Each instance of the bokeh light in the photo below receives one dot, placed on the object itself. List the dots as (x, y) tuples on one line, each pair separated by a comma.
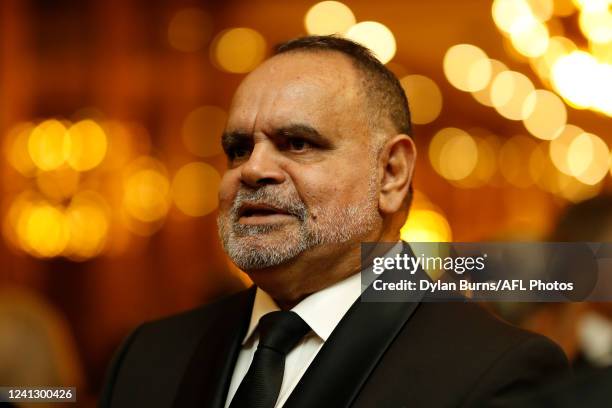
[(13, 226), (59, 184), (582, 81), (601, 100), (146, 190), (47, 230), (508, 14), (195, 189), (328, 17), (238, 50), (87, 145), (590, 5), (48, 145), (88, 220), (125, 141), (189, 29), (588, 158), (542, 171), (424, 98), (596, 23), (42, 230), (81, 176), (484, 95), (509, 91), (15, 148), (426, 225), (568, 77), (453, 153), (61, 211), (375, 36), (557, 48), (603, 52), (574, 191), (544, 114), (202, 130), (512, 160), (467, 67), (531, 39), (542, 9), (486, 165), (559, 146), (548, 178)]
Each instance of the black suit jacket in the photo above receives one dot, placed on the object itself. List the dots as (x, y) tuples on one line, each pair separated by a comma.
[(401, 354)]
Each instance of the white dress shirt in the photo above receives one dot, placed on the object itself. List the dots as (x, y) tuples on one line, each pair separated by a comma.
[(322, 311)]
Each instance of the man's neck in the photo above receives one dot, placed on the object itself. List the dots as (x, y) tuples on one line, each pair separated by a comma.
[(290, 283)]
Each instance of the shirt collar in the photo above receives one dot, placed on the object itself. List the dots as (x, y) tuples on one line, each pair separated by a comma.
[(263, 304), (322, 310)]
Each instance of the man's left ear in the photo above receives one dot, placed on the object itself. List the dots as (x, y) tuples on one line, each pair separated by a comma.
[(397, 164)]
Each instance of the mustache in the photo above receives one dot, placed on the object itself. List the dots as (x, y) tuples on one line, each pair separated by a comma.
[(286, 201)]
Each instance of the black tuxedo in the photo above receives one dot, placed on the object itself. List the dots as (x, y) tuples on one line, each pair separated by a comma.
[(396, 354), (380, 355)]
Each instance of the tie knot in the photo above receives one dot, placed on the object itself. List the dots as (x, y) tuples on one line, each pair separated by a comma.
[(281, 330)]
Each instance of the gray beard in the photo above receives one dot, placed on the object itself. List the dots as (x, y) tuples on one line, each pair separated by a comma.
[(253, 247)]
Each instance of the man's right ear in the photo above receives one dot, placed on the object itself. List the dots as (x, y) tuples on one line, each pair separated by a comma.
[(397, 161)]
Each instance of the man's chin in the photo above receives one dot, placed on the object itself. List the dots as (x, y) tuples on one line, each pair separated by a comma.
[(276, 240), (264, 230), (265, 250)]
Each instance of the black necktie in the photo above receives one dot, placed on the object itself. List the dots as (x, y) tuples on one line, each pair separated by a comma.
[(279, 332)]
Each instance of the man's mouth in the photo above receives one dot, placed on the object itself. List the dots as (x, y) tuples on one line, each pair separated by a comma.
[(257, 213)]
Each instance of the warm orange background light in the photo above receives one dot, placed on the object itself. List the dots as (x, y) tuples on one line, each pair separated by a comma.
[(112, 113)]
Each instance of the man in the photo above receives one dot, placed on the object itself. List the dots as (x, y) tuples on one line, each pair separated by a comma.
[(320, 159)]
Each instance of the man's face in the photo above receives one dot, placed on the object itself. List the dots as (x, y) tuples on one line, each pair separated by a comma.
[(301, 162)]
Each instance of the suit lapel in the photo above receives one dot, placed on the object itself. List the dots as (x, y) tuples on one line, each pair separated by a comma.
[(206, 380), (353, 350)]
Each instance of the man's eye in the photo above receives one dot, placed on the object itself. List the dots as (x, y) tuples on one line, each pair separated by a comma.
[(298, 144), (237, 153)]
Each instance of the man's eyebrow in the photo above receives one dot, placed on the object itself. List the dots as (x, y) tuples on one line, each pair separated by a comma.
[(233, 137), (302, 130)]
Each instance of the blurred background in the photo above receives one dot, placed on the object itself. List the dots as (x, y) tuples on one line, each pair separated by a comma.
[(110, 118)]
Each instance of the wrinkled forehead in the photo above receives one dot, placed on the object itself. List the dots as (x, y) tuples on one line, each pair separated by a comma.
[(306, 87)]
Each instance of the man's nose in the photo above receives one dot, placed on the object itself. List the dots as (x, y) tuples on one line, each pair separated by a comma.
[(262, 168)]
